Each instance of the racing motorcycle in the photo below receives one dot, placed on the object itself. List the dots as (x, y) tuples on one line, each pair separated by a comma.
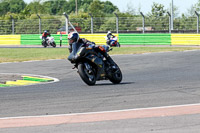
[(114, 42), (49, 42), (92, 66)]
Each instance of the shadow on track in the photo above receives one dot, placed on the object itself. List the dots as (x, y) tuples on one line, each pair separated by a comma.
[(123, 83)]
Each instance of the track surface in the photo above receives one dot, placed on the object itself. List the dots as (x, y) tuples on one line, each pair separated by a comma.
[(150, 80)]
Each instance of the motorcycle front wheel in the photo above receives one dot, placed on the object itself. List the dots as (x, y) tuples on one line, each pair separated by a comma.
[(53, 44), (116, 77), (87, 74), (118, 45)]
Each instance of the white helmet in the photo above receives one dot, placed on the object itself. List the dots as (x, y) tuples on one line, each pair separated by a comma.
[(109, 32)]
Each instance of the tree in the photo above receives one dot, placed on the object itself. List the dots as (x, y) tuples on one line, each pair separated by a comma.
[(13, 6), (34, 8), (191, 11), (157, 17), (175, 11), (109, 8), (55, 7), (195, 7), (157, 10), (16, 6), (96, 8), (4, 7)]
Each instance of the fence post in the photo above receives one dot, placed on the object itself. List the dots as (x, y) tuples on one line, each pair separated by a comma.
[(143, 22), (92, 29), (170, 30), (172, 15), (13, 24), (117, 23), (39, 24), (66, 23), (197, 22)]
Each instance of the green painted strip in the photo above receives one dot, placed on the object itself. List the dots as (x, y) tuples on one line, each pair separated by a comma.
[(34, 39), (145, 39), (36, 79), (5, 85)]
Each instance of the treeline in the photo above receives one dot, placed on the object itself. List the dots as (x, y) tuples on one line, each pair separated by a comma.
[(20, 10), (26, 19), (51, 13)]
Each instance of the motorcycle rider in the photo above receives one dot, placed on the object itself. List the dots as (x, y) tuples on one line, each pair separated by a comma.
[(109, 35), (75, 42), (45, 35)]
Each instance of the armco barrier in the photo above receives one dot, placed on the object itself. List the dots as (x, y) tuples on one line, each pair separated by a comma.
[(145, 39), (185, 39), (34, 39), (9, 39)]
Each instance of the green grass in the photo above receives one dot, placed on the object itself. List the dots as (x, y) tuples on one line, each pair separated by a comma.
[(26, 54)]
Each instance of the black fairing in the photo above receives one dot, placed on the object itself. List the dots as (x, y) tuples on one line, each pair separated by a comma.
[(84, 54)]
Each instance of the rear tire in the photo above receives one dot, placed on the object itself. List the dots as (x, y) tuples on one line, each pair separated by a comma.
[(44, 44), (88, 76)]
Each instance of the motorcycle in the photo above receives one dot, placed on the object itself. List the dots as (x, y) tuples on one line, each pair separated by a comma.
[(92, 66), (48, 42), (113, 42)]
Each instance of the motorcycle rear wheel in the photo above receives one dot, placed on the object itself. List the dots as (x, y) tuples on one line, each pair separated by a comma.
[(87, 75), (44, 44)]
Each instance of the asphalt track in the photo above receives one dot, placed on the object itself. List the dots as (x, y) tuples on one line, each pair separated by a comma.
[(151, 82)]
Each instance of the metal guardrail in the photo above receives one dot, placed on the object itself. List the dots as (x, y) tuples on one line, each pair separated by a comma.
[(138, 24)]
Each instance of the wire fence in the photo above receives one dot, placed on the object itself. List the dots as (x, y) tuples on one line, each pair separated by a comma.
[(100, 25)]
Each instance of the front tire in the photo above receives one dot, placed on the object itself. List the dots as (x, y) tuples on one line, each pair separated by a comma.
[(53, 44), (118, 45), (116, 76), (87, 75)]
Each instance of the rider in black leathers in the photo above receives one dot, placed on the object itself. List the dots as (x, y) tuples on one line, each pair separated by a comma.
[(75, 42)]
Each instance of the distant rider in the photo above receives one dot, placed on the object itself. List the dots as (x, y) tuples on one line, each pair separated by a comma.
[(75, 42), (45, 35), (109, 36)]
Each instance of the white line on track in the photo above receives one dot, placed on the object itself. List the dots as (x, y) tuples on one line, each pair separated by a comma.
[(113, 111)]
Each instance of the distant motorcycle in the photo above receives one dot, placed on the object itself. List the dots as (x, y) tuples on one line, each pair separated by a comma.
[(92, 66), (48, 42), (114, 42)]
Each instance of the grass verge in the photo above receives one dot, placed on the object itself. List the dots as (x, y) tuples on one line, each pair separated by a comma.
[(27, 54)]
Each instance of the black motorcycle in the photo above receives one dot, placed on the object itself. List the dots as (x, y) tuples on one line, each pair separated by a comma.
[(92, 66)]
